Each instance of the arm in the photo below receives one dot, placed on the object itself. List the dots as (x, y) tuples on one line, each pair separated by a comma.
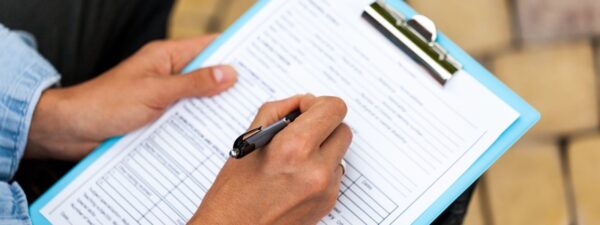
[(24, 75)]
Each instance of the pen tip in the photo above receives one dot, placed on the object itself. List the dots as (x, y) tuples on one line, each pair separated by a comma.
[(234, 153)]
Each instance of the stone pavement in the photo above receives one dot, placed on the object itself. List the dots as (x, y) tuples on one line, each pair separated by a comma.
[(547, 51)]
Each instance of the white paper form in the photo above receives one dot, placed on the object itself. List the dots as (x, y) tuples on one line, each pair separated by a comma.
[(412, 137)]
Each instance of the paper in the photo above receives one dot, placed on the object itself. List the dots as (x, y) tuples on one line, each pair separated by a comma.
[(412, 137)]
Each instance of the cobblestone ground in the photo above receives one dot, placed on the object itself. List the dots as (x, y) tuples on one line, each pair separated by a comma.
[(547, 51)]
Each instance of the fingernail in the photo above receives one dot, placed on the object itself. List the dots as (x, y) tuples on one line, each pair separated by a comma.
[(223, 74)]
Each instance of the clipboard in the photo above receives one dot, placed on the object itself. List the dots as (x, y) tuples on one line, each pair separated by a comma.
[(452, 55)]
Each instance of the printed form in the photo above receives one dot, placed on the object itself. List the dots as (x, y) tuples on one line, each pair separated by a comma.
[(412, 137)]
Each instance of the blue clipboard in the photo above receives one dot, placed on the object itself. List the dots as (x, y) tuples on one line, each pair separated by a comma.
[(528, 117)]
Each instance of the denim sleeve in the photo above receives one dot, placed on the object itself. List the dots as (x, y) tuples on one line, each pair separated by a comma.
[(24, 74)]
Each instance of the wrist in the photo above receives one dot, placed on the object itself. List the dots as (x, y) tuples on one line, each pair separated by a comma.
[(209, 215), (52, 134)]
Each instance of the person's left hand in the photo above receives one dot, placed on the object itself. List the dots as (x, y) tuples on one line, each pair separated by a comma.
[(69, 122)]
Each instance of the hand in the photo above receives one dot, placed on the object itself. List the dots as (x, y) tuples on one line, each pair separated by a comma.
[(295, 179), (69, 122)]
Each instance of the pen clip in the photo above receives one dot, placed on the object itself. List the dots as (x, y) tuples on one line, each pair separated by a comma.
[(239, 142)]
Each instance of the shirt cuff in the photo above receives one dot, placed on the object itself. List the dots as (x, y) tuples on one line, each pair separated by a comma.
[(13, 205), (24, 75)]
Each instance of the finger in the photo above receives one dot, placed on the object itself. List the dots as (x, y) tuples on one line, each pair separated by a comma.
[(306, 103), (271, 112), (336, 145), (199, 83), (182, 51), (336, 180), (338, 174), (317, 121)]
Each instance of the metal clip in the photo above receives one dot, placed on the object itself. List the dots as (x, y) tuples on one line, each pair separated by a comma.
[(416, 36)]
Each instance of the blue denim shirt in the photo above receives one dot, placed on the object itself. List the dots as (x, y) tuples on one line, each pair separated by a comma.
[(24, 74)]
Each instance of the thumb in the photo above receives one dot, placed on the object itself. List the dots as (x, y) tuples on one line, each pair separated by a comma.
[(204, 82)]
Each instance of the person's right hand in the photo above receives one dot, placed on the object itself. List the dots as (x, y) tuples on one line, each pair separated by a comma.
[(295, 179)]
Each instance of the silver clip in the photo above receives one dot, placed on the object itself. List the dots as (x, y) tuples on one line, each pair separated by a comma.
[(416, 36)]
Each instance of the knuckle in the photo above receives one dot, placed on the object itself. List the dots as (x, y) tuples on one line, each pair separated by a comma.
[(346, 131), (293, 146), (302, 137), (265, 107), (155, 45), (296, 144), (318, 181), (337, 104), (196, 84), (199, 83)]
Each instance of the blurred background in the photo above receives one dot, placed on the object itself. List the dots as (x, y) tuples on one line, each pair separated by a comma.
[(545, 50)]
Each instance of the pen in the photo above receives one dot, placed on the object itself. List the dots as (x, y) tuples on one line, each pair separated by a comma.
[(259, 137)]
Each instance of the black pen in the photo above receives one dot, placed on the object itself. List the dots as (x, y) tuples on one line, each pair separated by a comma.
[(259, 137)]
